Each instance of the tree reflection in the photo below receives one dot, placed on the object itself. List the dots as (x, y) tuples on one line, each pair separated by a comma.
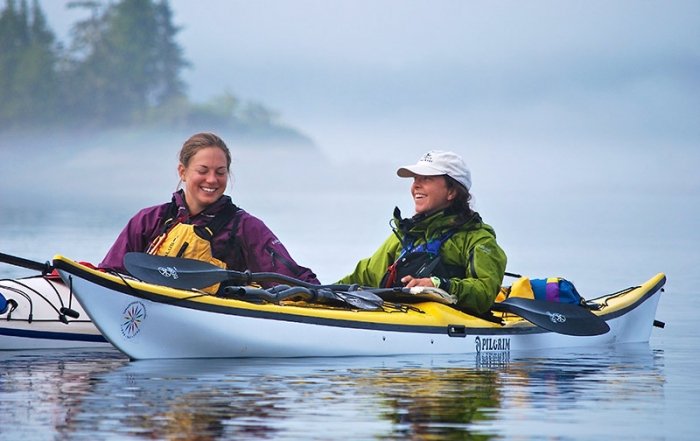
[(435, 403)]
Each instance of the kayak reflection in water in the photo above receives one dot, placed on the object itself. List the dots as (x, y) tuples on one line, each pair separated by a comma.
[(200, 222), (445, 244)]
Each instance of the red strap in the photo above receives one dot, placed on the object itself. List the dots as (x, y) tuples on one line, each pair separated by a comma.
[(53, 275), (392, 276)]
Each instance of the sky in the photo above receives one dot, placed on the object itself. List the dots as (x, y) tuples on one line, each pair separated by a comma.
[(383, 76)]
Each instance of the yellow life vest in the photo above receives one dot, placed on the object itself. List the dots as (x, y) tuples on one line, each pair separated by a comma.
[(191, 241), (188, 241)]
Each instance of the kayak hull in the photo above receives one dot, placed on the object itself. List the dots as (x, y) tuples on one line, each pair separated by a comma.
[(147, 321), (33, 317)]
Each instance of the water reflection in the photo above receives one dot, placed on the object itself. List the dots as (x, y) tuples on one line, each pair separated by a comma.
[(266, 399), (560, 378), (438, 403), (99, 394), (582, 395), (41, 391)]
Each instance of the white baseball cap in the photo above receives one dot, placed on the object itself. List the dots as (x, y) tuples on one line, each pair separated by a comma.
[(438, 162)]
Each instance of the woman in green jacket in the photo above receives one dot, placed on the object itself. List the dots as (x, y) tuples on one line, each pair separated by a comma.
[(445, 244)]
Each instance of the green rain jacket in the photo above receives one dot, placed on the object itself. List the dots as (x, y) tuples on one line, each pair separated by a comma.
[(472, 247)]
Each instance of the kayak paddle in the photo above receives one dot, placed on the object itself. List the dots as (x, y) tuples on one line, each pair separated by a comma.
[(45, 267), (563, 318), (181, 273)]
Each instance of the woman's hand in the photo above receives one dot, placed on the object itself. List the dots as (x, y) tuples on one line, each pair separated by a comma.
[(410, 281)]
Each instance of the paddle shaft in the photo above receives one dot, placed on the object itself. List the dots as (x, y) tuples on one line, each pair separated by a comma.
[(45, 267)]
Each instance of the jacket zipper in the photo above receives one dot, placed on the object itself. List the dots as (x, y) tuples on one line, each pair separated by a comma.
[(286, 262)]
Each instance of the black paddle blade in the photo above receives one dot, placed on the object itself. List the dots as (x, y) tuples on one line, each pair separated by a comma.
[(357, 299), (174, 272), (361, 299), (562, 318)]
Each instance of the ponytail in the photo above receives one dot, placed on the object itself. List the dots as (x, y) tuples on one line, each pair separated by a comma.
[(460, 204)]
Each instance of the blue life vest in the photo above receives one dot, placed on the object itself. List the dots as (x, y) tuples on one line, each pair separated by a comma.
[(422, 260)]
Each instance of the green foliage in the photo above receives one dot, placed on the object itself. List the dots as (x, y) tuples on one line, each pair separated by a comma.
[(124, 61), (27, 62), (122, 68)]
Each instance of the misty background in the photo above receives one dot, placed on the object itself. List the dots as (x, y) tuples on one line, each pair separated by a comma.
[(579, 121)]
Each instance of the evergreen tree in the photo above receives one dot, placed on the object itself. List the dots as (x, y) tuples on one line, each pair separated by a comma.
[(171, 60), (130, 62), (13, 40), (122, 68), (38, 81), (27, 63)]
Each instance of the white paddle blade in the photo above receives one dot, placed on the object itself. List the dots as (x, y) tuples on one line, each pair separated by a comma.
[(434, 294)]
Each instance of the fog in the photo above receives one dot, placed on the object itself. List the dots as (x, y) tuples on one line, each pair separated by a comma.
[(368, 78), (579, 120)]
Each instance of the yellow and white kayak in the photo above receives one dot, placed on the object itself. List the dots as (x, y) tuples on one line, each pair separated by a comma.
[(147, 321)]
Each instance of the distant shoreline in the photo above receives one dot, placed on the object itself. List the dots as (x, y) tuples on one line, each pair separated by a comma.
[(44, 139)]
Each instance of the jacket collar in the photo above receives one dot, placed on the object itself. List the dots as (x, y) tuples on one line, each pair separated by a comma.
[(184, 214), (440, 220)]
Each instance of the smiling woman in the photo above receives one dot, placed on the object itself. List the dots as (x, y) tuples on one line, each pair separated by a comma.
[(204, 166), (200, 222), (445, 244)]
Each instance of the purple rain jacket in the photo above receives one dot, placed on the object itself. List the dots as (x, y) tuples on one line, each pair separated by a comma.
[(260, 249)]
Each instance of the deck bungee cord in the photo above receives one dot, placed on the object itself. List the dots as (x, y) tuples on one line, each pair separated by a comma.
[(23, 290)]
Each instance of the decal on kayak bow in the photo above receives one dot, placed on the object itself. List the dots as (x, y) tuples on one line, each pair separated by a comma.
[(133, 317)]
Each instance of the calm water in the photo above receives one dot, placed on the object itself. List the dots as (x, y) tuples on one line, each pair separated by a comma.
[(624, 392), (640, 392)]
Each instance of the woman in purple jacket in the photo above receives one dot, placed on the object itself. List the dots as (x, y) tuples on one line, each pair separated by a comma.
[(200, 222)]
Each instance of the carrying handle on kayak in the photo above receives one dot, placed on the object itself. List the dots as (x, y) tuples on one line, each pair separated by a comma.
[(45, 267)]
